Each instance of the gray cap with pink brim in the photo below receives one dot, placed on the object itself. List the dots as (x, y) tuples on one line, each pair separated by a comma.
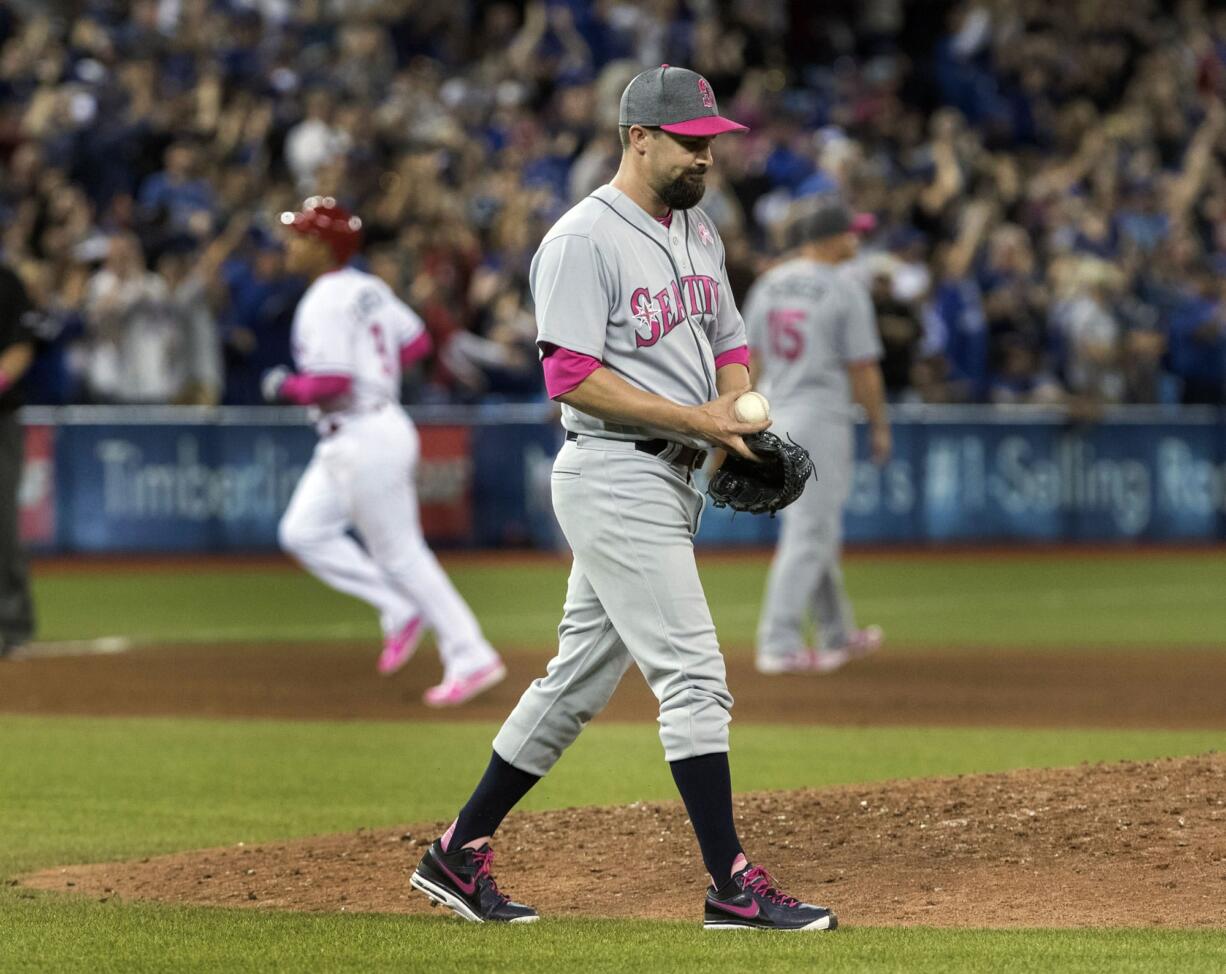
[(677, 100)]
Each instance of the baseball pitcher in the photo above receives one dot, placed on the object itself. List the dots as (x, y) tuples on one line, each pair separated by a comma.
[(643, 345), (351, 338), (815, 348)]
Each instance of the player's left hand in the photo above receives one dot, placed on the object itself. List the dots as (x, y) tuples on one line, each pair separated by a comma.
[(768, 484), (272, 381)]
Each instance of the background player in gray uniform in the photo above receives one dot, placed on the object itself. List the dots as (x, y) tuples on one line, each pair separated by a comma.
[(642, 343), (816, 348)]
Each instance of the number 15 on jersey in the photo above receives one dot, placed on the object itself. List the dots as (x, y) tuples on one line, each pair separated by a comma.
[(787, 341)]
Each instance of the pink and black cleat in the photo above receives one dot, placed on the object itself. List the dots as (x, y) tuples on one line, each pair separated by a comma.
[(462, 882), (460, 690), (400, 646), (751, 901)]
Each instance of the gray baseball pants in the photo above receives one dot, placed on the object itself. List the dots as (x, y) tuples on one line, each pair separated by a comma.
[(806, 580), (634, 596)]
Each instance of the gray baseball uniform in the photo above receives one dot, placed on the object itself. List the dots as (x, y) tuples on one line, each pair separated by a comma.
[(654, 305), (807, 322)]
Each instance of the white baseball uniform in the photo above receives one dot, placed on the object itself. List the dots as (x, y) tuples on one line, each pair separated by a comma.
[(807, 322), (362, 473)]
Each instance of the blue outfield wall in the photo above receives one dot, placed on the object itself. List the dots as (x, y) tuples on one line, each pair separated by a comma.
[(115, 479)]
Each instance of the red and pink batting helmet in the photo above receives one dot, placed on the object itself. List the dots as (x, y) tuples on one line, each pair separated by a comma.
[(325, 219)]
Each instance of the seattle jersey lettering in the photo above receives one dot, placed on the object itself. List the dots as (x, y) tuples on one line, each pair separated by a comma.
[(660, 313)]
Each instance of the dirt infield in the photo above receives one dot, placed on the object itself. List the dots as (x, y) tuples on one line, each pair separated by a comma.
[(1120, 845), (1115, 845), (1160, 689)]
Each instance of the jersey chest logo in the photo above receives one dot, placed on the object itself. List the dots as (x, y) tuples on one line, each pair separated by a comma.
[(659, 313)]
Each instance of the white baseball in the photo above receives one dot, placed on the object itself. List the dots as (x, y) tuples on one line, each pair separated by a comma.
[(752, 407)]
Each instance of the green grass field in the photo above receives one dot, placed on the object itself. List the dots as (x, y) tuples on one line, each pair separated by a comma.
[(77, 789), (1038, 601)]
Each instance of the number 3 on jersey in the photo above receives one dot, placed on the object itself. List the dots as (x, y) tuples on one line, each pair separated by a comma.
[(381, 348), (787, 341)]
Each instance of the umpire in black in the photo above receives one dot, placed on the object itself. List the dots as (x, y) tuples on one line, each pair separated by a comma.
[(16, 354)]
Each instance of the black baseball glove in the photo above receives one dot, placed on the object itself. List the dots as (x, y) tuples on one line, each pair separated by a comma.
[(766, 486)]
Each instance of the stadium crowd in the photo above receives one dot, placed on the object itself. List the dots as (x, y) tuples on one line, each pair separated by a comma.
[(1048, 181)]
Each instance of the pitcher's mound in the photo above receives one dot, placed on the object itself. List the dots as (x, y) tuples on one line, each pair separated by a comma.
[(1120, 845)]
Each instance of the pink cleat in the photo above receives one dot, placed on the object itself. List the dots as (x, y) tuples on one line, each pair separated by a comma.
[(865, 641), (859, 644), (453, 693), (797, 661), (829, 660), (400, 646)]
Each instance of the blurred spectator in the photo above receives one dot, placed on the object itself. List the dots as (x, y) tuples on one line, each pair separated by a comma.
[(956, 342), (55, 376), (1088, 328), (150, 336), (1198, 343), (901, 330), (315, 141), (261, 297), (175, 198), (187, 275), (132, 346), (999, 144)]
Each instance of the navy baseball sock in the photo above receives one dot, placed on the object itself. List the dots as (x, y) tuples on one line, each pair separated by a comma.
[(498, 791), (705, 784)]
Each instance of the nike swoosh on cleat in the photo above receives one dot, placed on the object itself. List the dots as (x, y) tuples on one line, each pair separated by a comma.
[(746, 912), (466, 888)]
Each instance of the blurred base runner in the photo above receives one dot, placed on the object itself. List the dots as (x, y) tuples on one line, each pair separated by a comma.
[(352, 336)]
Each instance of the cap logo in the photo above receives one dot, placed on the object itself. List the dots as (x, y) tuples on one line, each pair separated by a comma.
[(704, 89)]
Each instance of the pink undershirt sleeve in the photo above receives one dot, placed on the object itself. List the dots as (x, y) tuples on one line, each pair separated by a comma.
[(734, 356), (311, 390), (565, 370), (416, 350)]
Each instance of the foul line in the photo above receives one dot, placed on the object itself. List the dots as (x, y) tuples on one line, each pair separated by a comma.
[(102, 646)]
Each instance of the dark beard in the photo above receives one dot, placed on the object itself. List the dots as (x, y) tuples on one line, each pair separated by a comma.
[(683, 192)]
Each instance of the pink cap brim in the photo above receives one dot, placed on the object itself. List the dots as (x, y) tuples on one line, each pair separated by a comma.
[(707, 125)]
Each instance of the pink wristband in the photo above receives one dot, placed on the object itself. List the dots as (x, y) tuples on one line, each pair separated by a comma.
[(310, 390), (416, 350)]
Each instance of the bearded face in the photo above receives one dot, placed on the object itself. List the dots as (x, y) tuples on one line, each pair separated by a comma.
[(683, 191), (679, 169)]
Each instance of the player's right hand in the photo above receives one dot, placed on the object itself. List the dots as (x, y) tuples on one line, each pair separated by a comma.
[(272, 381), (716, 423)]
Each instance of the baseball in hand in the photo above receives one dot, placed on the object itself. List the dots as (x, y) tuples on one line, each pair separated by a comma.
[(752, 407)]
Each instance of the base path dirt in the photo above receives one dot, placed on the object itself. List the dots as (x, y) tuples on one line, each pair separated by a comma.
[(1161, 689), (1119, 845)]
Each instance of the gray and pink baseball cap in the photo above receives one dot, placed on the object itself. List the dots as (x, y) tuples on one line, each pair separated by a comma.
[(677, 100)]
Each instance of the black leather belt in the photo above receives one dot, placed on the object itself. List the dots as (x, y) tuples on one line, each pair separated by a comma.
[(683, 456)]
